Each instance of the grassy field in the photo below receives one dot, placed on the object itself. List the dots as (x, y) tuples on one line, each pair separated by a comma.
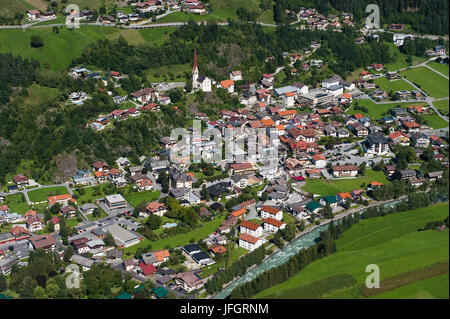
[(400, 59), (185, 17), (42, 194), (59, 48), (17, 203), (163, 73), (432, 288), (8, 8), (324, 187), (393, 243), (435, 121), (398, 85), (179, 240), (137, 197), (443, 68), (432, 83), (442, 106), (377, 111)]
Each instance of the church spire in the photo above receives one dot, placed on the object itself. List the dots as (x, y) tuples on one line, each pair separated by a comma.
[(195, 58)]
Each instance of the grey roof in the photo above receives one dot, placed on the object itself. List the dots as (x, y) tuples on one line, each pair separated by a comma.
[(88, 206), (83, 261), (376, 138)]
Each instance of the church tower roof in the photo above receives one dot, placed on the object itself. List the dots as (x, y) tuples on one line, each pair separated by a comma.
[(195, 58)]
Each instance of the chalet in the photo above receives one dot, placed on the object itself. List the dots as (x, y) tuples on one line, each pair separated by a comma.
[(144, 95), (399, 138), (189, 281), (407, 174), (100, 166), (420, 140), (156, 208), (21, 180), (376, 143), (236, 75), (33, 14), (434, 176), (45, 242), (227, 224), (69, 211), (330, 200)]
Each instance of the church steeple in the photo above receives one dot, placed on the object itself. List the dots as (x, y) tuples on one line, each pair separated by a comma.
[(195, 70), (195, 59)]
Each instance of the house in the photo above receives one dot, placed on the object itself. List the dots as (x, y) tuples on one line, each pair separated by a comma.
[(147, 270), (68, 211), (240, 181), (202, 258), (345, 170), (33, 14), (6, 265), (88, 208), (249, 242), (21, 180), (101, 177), (227, 85), (313, 206), (239, 214), (63, 200), (156, 208), (100, 166), (376, 144), (420, 140), (330, 200), (191, 249), (144, 95), (189, 281), (333, 81), (247, 227), (399, 137), (45, 242), (217, 249), (242, 168), (273, 225), (434, 176), (227, 224), (34, 223), (236, 75), (319, 161), (272, 212), (417, 182)]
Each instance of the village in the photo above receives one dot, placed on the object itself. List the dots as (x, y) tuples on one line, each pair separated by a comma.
[(248, 204)]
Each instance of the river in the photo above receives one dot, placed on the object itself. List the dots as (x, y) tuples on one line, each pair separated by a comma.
[(283, 255)]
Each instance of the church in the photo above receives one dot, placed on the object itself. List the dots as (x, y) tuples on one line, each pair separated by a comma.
[(200, 82)]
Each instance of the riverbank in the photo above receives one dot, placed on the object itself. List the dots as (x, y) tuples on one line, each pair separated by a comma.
[(282, 255)]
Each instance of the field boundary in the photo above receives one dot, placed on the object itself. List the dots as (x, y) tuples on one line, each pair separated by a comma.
[(406, 279)]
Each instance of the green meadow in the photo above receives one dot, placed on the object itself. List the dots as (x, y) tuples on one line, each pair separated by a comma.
[(443, 68), (325, 187), (392, 242), (377, 111), (394, 86), (40, 195), (432, 83)]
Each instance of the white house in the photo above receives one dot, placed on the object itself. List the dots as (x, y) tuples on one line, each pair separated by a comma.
[(249, 242), (250, 228), (272, 212), (236, 75), (272, 225)]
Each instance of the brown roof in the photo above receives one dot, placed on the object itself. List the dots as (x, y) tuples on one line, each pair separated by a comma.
[(345, 168), (249, 225), (249, 238), (270, 210), (42, 241), (274, 222)]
